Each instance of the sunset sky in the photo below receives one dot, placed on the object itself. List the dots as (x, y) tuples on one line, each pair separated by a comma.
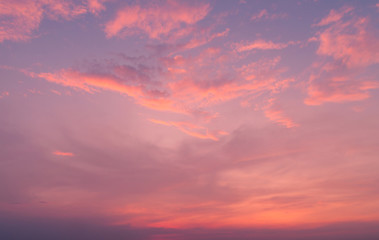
[(189, 120)]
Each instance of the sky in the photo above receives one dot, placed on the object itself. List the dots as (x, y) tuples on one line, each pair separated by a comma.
[(191, 120)]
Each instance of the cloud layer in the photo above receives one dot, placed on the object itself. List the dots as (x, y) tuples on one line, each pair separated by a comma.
[(188, 120)]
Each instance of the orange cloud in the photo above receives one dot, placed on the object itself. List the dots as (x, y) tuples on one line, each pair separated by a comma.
[(65, 154), (156, 19)]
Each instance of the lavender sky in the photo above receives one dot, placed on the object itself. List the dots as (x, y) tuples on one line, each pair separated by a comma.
[(203, 120)]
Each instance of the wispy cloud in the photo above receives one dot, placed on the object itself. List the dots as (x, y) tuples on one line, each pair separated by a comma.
[(156, 19), (261, 45), (192, 129), (64, 154), (334, 16), (276, 114), (20, 19), (350, 43), (4, 94), (265, 15)]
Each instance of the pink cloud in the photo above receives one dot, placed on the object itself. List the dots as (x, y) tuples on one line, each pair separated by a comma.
[(56, 92), (96, 6), (339, 92), (191, 84), (91, 82), (261, 14), (19, 19), (351, 42), (63, 9), (94, 82), (195, 86), (274, 113), (202, 161), (64, 154), (203, 37), (4, 94), (261, 45), (334, 16), (156, 19)]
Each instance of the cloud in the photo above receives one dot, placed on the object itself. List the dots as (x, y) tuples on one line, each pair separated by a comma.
[(261, 45), (56, 92), (207, 80), (157, 19), (192, 130), (263, 14), (335, 89), (334, 16), (64, 154), (96, 6), (4, 94), (19, 19), (274, 113), (248, 174), (191, 85), (351, 42), (92, 82), (202, 37), (186, 85)]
